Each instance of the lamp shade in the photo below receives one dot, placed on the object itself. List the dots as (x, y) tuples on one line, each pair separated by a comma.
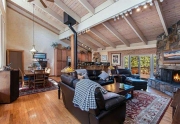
[(33, 50)]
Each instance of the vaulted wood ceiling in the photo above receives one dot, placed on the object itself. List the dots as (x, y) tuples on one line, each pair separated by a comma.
[(97, 15)]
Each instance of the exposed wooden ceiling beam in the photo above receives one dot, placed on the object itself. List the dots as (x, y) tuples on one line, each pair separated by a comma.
[(140, 45), (93, 41), (161, 17), (29, 7), (98, 34), (98, 9), (82, 40), (30, 16), (135, 28), (48, 10), (103, 15), (87, 6), (63, 6), (116, 33)]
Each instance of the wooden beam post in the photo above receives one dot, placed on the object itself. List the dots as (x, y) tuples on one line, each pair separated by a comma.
[(72, 51)]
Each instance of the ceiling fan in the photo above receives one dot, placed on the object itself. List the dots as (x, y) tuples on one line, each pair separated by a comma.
[(42, 2)]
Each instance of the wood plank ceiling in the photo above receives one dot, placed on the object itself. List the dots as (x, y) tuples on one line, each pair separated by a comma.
[(137, 27)]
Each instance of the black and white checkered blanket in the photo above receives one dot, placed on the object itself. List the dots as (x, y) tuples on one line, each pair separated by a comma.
[(84, 97)]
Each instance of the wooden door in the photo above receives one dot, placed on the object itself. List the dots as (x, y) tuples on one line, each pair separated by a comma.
[(60, 61), (16, 58)]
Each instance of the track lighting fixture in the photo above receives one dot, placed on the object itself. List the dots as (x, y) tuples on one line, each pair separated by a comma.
[(118, 17), (130, 12), (138, 9), (151, 3), (145, 6)]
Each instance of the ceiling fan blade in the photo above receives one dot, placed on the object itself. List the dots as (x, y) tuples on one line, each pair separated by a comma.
[(30, 0), (43, 3), (50, 0)]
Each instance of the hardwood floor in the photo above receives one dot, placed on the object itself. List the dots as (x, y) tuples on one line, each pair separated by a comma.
[(46, 108)]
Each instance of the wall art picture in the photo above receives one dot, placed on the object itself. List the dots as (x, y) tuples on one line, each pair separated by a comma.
[(116, 59), (104, 57), (171, 56)]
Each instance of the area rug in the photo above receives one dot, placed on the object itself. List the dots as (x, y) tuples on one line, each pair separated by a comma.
[(145, 108), (50, 85)]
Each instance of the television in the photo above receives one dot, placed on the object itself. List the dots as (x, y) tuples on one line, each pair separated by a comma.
[(39, 55)]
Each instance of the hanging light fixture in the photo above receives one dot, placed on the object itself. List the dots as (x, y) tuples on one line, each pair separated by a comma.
[(33, 50)]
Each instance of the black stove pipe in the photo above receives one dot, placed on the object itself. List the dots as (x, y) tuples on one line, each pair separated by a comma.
[(75, 46)]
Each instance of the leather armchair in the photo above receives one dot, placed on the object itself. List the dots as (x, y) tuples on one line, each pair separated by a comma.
[(110, 111)]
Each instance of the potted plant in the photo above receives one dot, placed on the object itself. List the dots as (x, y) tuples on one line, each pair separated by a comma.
[(54, 45)]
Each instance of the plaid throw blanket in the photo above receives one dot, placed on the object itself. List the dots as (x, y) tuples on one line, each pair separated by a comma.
[(84, 97)]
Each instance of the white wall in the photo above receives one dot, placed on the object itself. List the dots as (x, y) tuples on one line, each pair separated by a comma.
[(2, 33), (20, 37)]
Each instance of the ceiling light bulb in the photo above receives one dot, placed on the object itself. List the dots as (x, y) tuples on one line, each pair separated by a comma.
[(145, 6), (138, 9), (118, 17), (122, 16), (151, 3), (130, 12), (161, 0), (126, 14), (114, 19)]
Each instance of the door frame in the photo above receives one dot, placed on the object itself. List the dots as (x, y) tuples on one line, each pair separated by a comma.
[(14, 50)]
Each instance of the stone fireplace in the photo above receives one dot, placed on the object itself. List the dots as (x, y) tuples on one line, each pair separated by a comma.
[(167, 71)]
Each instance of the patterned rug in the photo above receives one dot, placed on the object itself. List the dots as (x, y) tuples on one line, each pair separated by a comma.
[(145, 108), (50, 85)]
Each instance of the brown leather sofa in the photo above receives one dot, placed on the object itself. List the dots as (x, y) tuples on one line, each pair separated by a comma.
[(110, 111)]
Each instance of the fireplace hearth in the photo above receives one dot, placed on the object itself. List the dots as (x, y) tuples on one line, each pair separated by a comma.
[(169, 80)]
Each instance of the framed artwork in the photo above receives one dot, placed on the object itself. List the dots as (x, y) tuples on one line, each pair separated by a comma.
[(171, 57), (104, 57), (116, 59)]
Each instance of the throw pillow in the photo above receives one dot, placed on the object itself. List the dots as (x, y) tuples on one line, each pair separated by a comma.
[(103, 75), (110, 95), (80, 77)]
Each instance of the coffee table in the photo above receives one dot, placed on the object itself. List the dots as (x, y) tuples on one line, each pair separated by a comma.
[(127, 91)]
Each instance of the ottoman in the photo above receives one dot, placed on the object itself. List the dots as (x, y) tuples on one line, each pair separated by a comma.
[(137, 83)]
